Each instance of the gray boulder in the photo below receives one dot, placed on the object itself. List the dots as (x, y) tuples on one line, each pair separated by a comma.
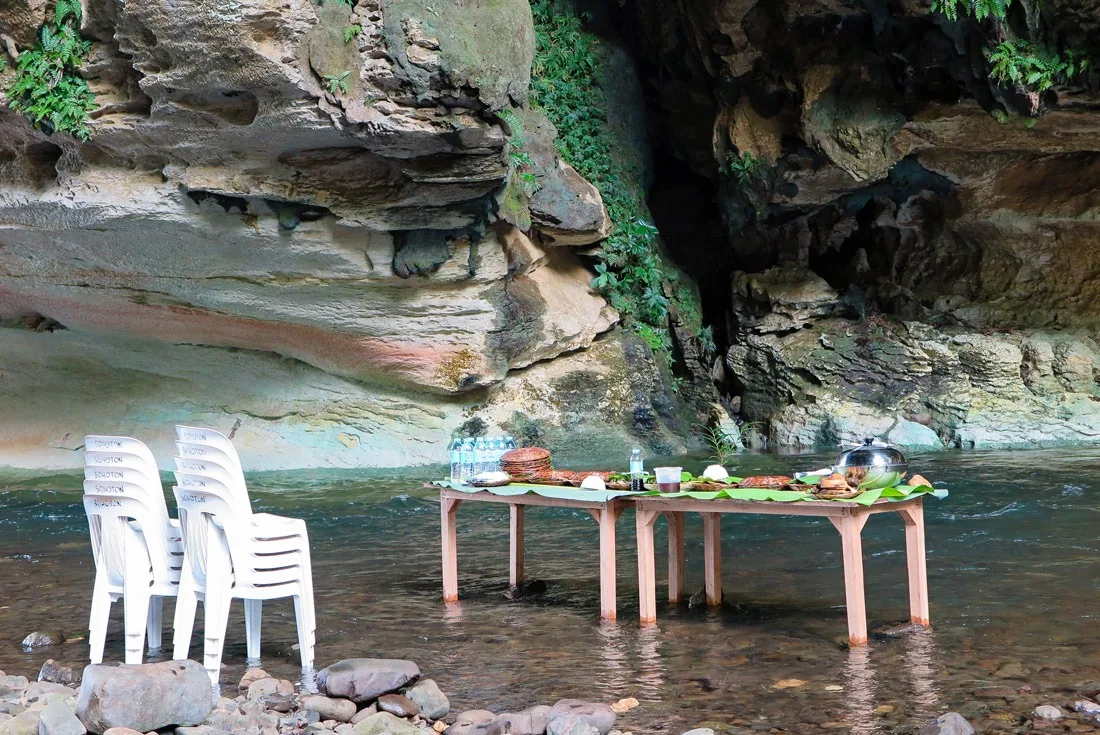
[(41, 639), (951, 723), (570, 725), (599, 716), (22, 724), (341, 710), (474, 722), (59, 718), (531, 721), (383, 723), (1086, 707), (431, 700), (366, 679), (146, 697), (54, 672), (40, 691)]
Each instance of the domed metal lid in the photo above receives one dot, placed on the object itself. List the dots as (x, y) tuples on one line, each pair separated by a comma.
[(871, 453)]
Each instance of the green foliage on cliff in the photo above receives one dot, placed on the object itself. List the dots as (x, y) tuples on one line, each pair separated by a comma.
[(521, 183), (1026, 63), (565, 83), (1032, 65), (47, 88)]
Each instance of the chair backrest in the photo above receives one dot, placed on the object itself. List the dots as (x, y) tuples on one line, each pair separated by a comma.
[(115, 540), (210, 526), (129, 467), (97, 443), (217, 480), (217, 440)]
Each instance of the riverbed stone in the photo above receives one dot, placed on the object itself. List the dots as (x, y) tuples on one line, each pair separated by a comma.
[(251, 676), (55, 673), (398, 705), (571, 724), (531, 721), (39, 691), (600, 716), (364, 714), (144, 697), (431, 700), (700, 731), (329, 708), (472, 722), (1048, 712), (951, 723), (18, 683), (383, 723), (1086, 707), (59, 718), (41, 639), (366, 679), (270, 685), (25, 723), (122, 731)]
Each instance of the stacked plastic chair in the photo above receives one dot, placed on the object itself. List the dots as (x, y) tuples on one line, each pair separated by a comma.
[(136, 546), (232, 552)]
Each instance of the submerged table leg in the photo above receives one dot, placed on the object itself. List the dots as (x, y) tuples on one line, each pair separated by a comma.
[(712, 557), (607, 517), (918, 565), (850, 528), (675, 556), (647, 575), (515, 546), (448, 510)]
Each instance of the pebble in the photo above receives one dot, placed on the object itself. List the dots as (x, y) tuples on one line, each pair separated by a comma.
[(624, 705), (269, 685), (251, 676), (398, 705), (341, 710), (788, 684), (599, 716), (951, 723), (41, 639), (364, 714), (1086, 707), (54, 672), (1048, 712), (122, 731), (429, 698), (700, 731)]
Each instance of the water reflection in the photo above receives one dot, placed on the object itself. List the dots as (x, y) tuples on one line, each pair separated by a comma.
[(922, 664), (859, 691), (651, 665)]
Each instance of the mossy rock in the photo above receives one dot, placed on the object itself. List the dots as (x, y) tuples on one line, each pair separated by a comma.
[(328, 54), (485, 44)]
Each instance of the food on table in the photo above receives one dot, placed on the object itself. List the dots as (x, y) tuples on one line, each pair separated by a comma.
[(668, 479), (918, 480), (835, 487), (872, 465), (490, 479), (835, 481), (769, 482), (715, 472), (593, 482), (525, 463)]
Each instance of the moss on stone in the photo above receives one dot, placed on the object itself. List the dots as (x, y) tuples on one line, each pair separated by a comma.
[(486, 44)]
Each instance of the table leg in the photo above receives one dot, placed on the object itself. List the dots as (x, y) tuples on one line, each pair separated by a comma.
[(675, 556), (712, 557), (608, 516), (515, 546), (918, 565), (647, 575), (448, 510), (850, 528)]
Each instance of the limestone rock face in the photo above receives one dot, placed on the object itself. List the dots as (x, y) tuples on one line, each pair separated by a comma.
[(286, 225)]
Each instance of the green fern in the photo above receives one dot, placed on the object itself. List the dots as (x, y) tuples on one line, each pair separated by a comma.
[(1031, 65), (979, 9), (520, 165), (745, 166), (47, 87), (337, 84), (351, 32)]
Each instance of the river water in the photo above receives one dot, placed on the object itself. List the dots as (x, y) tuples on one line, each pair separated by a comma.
[(1014, 577)]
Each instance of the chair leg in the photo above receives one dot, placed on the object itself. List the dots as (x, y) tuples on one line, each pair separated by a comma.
[(184, 620), (135, 604), (218, 597), (304, 615), (155, 623), (97, 624), (253, 611)]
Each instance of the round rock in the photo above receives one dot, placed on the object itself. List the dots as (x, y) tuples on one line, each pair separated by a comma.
[(366, 679), (1048, 712), (398, 705), (599, 716), (341, 710), (431, 700)]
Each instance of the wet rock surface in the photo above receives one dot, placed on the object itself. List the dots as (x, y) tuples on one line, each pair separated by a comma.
[(144, 697)]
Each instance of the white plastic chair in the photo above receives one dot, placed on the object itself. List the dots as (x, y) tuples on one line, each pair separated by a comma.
[(209, 462), (233, 556), (130, 564), (124, 467)]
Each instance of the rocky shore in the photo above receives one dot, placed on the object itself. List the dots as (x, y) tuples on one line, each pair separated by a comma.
[(366, 696)]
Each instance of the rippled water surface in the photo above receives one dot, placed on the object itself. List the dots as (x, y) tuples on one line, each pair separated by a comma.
[(1014, 576)]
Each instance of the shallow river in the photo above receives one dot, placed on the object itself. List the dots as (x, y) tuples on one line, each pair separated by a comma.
[(1014, 576)]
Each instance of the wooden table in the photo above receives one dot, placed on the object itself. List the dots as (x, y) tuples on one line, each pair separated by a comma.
[(849, 518), (606, 514)]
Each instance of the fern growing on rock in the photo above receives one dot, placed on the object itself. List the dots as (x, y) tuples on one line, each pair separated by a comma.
[(47, 88)]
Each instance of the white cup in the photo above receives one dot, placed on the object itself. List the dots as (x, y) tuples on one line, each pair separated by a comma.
[(668, 479)]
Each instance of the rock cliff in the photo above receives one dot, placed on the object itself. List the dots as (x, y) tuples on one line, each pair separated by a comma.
[(287, 225), (898, 243)]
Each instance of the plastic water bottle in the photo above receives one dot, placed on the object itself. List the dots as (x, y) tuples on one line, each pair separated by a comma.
[(481, 452), (467, 458), (456, 460), (509, 443), (637, 467), (498, 452)]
